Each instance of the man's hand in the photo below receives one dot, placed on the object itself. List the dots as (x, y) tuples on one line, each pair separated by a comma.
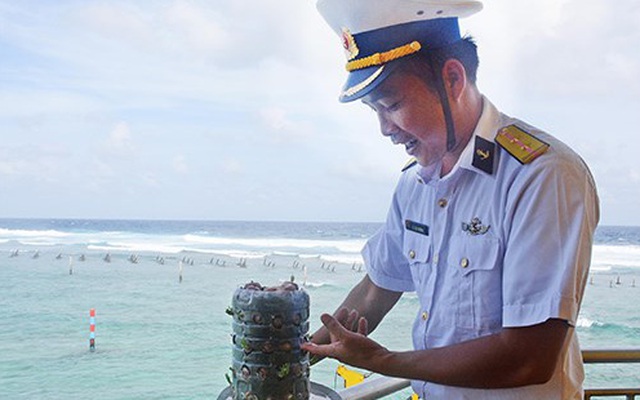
[(351, 320), (350, 347)]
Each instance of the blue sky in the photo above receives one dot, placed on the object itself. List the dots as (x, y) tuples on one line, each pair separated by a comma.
[(193, 109)]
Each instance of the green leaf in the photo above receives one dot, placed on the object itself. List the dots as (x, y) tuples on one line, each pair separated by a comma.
[(283, 371)]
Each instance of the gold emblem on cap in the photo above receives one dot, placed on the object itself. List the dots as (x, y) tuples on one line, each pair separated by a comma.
[(349, 44)]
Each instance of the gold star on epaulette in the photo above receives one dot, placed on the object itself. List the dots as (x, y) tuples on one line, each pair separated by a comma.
[(522, 145), (410, 164)]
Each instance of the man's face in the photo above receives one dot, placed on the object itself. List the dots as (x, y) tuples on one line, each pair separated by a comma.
[(410, 114)]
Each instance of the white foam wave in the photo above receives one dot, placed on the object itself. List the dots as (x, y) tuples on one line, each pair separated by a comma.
[(584, 322), (136, 247), (351, 245), (621, 256), (314, 285), (22, 233), (237, 254), (285, 253), (343, 258), (38, 243)]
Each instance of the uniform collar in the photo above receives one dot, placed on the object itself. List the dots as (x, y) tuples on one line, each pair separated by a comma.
[(486, 128)]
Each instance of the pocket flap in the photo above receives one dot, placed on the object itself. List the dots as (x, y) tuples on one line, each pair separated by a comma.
[(472, 253), (417, 247)]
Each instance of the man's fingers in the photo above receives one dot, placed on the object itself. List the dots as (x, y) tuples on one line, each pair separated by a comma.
[(348, 319), (335, 328), (352, 320), (363, 326), (319, 351)]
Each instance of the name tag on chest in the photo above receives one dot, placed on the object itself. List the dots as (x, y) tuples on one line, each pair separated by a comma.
[(416, 227)]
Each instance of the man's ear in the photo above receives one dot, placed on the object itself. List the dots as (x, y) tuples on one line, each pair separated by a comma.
[(455, 78)]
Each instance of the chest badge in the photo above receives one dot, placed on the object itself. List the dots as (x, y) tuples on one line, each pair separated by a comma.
[(416, 227), (475, 227)]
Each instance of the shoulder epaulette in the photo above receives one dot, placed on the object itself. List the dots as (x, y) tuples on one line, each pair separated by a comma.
[(522, 145), (410, 164)]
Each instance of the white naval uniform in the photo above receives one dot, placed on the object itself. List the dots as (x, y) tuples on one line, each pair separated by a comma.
[(530, 265)]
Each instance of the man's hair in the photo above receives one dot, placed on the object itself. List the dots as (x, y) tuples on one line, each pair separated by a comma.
[(423, 63)]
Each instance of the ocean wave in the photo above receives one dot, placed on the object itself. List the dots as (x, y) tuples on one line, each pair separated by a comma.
[(21, 233), (350, 245), (136, 247), (619, 256), (600, 268), (618, 328), (343, 258), (314, 285), (37, 243), (233, 253), (285, 253), (584, 322)]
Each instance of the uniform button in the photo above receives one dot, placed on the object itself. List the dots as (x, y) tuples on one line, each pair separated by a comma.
[(442, 203), (412, 254), (425, 315), (435, 259), (464, 263)]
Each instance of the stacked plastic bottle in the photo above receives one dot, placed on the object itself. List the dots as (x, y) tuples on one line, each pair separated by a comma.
[(269, 324)]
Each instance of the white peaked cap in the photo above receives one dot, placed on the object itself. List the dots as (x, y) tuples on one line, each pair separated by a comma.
[(365, 15)]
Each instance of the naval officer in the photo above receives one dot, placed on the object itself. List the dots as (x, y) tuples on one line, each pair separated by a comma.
[(491, 223)]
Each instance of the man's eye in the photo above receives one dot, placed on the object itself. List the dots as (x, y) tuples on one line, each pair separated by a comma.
[(393, 106)]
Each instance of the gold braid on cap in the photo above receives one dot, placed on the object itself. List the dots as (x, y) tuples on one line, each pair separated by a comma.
[(381, 58)]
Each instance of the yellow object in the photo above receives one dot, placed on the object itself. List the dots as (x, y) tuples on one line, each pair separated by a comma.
[(350, 377), (520, 144), (414, 396), (381, 58)]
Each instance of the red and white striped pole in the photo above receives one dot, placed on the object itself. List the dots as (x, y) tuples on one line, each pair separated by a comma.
[(92, 329)]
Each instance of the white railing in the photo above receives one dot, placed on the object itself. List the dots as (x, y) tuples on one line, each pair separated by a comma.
[(378, 387)]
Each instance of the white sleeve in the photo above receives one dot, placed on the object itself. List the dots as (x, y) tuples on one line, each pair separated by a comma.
[(551, 215)]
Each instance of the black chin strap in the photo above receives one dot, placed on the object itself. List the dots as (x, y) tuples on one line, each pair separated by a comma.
[(444, 101)]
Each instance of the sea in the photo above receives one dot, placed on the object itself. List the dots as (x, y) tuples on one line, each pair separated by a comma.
[(160, 290)]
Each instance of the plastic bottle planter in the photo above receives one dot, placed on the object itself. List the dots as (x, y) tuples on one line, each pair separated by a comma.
[(269, 324)]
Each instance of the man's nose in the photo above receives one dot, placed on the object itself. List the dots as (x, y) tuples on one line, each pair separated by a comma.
[(387, 127)]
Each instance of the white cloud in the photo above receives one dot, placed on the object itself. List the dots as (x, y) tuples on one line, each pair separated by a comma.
[(195, 27), (119, 22), (120, 140), (232, 166), (180, 164), (260, 74), (12, 167), (33, 163), (282, 127), (275, 119)]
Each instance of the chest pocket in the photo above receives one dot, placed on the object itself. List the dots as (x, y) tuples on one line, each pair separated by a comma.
[(478, 282), (417, 250)]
